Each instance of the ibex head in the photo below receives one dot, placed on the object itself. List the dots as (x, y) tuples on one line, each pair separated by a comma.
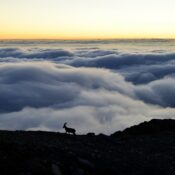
[(64, 126)]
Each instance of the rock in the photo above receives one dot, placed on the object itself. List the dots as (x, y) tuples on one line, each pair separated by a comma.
[(56, 170), (90, 134), (79, 172), (86, 164), (102, 135)]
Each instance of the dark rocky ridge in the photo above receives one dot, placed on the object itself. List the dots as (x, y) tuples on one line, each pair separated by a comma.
[(148, 148), (147, 128)]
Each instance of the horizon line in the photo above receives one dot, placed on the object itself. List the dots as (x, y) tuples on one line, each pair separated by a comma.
[(72, 39)]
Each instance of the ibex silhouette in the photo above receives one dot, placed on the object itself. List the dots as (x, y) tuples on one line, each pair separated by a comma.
[(69, 130)]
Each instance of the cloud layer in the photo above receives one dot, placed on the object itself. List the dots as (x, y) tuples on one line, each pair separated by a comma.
[(137, 68), (93, 89)]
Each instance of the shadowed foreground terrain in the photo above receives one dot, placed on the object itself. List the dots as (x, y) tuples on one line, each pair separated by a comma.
[(148, 148)]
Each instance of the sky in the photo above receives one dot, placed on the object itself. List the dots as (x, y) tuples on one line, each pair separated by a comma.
[(86, 19)]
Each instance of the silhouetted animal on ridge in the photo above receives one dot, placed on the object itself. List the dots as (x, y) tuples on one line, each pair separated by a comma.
[(69, 130)]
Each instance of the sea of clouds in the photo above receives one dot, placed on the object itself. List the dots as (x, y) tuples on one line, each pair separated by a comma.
[(93, 89)]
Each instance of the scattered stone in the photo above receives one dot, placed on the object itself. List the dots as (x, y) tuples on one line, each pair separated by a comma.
[(56, 170), (91, 134), (79, 172), (85, 163)]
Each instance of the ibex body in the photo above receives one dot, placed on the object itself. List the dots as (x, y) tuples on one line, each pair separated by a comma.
[(69, 130)]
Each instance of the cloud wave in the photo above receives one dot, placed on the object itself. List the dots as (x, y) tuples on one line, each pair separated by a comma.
[(135, 67)]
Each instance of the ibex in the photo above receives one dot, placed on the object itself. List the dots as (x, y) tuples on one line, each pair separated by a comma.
[(69, 130)]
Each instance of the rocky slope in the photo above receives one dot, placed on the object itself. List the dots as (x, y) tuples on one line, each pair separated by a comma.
[(148, 148)]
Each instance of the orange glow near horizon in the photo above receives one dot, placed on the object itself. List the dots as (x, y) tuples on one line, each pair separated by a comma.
[(87, 19)]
